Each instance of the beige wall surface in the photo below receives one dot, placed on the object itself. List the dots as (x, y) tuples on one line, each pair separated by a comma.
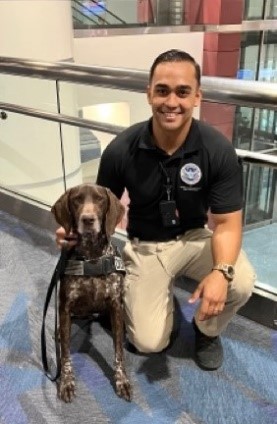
[(39, 30), (134, 51), (30, 159)]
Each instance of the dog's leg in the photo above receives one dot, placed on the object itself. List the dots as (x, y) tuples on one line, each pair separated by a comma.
[(123, 386), (66, 384)]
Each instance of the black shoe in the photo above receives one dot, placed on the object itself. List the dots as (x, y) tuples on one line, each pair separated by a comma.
[(208, 350)]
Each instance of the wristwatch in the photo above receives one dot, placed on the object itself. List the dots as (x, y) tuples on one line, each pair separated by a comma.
[(227, 270)]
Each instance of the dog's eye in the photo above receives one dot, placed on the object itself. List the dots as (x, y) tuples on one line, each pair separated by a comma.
[(97, 199), (78, 199)]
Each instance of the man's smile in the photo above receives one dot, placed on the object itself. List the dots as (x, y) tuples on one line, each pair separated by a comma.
[(170, 112)]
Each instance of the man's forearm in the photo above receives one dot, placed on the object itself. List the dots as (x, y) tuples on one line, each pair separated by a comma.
[(226, 239)]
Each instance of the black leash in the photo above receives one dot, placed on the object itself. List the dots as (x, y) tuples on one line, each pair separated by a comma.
[(53, 286)]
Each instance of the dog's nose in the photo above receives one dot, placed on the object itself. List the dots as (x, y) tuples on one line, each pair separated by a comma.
[(88, 219)]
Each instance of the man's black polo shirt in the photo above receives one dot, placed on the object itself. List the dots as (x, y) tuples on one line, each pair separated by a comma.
[(205, 173)]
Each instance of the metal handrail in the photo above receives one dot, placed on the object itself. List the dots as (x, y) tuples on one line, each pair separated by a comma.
[(257, 158), (263, 94), (62, 119), (247, 156), (220, 90), (117, 78)]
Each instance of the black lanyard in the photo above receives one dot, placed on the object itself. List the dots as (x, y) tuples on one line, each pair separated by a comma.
[(168, 182)]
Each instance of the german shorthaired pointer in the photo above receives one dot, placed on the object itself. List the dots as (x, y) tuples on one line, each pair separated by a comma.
[(92, 212)]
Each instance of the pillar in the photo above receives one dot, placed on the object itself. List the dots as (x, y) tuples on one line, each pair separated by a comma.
[(30, 159), (221, 52)]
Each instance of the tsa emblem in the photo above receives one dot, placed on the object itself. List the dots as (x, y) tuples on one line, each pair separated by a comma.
[(190, 174)]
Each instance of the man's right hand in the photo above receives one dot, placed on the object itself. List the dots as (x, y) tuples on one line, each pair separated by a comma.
[(65, 240)]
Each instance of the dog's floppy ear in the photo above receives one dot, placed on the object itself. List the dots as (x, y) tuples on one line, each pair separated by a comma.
[(114, 214), (62, 213)]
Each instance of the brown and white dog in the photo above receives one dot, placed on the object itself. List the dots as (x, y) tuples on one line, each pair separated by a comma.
[(92, 212)]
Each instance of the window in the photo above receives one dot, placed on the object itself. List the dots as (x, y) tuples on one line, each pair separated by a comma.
[(254, 9), (272, 9)]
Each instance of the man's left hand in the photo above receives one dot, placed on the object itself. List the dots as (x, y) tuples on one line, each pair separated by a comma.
[(213, 291)]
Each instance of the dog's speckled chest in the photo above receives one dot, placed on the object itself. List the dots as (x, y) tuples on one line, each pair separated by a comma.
[(86, 295)]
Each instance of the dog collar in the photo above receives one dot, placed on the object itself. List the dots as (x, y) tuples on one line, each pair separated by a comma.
[(103, 266)]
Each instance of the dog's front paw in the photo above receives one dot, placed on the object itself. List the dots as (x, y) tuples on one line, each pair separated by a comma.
[(66, 388), (123, 387)]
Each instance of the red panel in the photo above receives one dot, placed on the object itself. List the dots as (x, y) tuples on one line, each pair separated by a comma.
[(231, 11), (229, 42), (221, 64), (219, 116), (221, 53), (227, 64), (211, 42), (216, 113), (209, 63), (214, 11), (203, 11), (144, 11), (211, 11), (193, 11), (222, 42)]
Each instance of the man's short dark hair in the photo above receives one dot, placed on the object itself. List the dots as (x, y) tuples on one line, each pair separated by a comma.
[(175, 55)]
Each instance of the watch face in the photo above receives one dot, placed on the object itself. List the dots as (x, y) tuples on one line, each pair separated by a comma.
[(230, 270), (227, 270)]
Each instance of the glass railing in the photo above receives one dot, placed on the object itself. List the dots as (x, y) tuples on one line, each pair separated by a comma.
[(113, 13), (90, 13), (56, 119)]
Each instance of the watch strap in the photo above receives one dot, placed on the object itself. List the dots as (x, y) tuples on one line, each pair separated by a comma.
[(226, 269)]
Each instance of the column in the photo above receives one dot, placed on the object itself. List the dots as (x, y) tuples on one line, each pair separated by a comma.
[(30, 159), (221, 52)]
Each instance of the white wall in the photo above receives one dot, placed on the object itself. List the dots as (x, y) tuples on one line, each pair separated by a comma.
[(30, 148), (134, 51), (39, 29)]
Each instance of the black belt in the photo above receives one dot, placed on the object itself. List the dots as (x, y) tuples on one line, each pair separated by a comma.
[(139, 239)]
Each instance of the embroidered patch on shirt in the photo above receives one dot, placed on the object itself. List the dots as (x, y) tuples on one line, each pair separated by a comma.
[(190, 173)]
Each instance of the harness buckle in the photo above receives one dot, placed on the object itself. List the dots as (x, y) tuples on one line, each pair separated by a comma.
[(119, 264), (107, 267)]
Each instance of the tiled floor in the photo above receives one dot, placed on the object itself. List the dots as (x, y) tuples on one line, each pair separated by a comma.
[(261, 247)]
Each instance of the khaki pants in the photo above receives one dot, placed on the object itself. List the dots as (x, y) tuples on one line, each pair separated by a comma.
[(151, 270)]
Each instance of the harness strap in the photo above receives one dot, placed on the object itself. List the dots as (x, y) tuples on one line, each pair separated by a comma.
[(105, 265), (53, 285)]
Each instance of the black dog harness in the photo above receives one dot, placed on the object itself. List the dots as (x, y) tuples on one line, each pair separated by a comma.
[(103, 266)]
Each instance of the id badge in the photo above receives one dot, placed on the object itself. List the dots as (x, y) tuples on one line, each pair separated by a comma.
[(169, 213)]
